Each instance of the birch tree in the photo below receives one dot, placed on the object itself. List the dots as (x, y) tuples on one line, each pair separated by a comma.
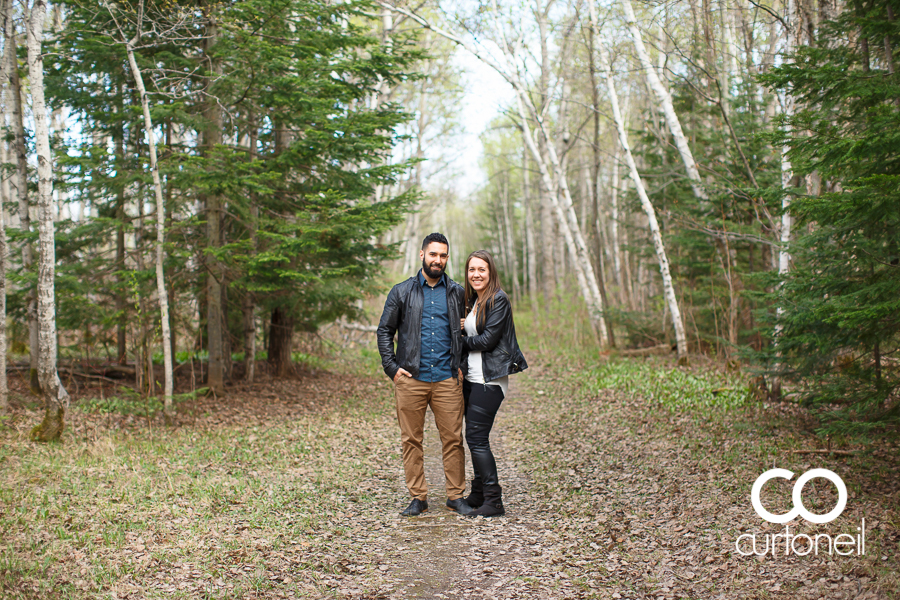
[(787, 171), (665, 101), (5, 198), (787, 182), (130, 45), (560, 195), (20, 183), (655, 234), (55, 396)]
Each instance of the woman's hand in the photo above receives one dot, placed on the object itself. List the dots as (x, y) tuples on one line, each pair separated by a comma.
[(462, 325)]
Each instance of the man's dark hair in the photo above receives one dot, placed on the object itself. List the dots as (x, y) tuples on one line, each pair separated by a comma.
[(440, 238)]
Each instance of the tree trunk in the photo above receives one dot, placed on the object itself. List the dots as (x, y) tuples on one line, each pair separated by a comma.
[(5, 198), (549, 267), (668, 285), (215, 271), (21, 185), (530, 249), (249, 321), (665, 100), (548, 239), (54, 394), (173, 306), (594, 183), (624, 294), (510, 246), (143, 361), (787, 182), (281, 333), (122, 295), (249, 304), (160, 224)]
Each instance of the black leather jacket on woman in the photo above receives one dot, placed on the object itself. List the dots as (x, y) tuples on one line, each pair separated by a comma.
[(403, 315), (496, 339)]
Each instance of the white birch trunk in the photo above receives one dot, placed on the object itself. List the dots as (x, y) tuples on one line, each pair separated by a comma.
[(668, 285), (787, 173), (665, 100), (510, 246), (5, 198), (55, 396), (20, 183), (614, 225), (160, 226), (530, 252), (567, 220)]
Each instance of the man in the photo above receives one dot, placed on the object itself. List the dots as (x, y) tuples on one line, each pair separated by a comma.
[(425, 312)]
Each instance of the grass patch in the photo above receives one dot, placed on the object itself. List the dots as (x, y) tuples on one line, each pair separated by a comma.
[(130, 402), (220, 510), (673, 388)]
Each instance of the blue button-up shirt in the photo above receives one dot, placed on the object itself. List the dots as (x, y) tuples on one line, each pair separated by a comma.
[(434, 364)]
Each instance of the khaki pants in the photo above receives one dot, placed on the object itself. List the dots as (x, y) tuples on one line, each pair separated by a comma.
[(446, 400)]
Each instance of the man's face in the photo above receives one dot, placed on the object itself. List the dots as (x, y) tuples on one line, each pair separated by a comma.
[(434, 259)]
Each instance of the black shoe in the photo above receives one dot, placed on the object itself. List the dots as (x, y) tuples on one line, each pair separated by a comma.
[(415, 508), (476, 496), (493, 503), (460, 506), (488, 510)]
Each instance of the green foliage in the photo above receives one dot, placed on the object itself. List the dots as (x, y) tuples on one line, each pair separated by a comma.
[(714, 245), (838, 336), (130, 402), (300, 152), (674, 389)]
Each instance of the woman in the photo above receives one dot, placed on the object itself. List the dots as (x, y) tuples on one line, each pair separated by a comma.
[(492, 356)]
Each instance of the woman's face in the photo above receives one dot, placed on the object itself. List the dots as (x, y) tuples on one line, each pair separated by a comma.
[(478, 274)]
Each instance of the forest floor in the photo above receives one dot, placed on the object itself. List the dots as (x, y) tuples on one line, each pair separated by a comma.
[(623, 481)]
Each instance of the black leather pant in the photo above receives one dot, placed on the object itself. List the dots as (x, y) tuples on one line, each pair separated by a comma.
[(482, 404)]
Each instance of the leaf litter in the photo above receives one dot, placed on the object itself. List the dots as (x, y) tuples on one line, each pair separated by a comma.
[(292, 489)]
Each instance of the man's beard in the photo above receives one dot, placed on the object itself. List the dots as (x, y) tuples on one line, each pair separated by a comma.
[(434, 273)]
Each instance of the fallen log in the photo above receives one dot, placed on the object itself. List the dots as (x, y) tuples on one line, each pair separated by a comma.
[(657, 350), (838, 452), (94, 370), (358, 327)]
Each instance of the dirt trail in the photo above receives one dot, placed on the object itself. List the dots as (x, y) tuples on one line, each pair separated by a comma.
[(608, 496), (619, 506), (448, 556)]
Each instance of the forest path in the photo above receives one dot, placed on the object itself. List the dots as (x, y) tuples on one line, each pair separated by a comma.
[(610, 496), (292, 489), (453, 557)]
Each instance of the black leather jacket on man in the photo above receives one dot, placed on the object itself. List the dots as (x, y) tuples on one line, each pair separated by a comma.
[(496, 339), (403, 315)]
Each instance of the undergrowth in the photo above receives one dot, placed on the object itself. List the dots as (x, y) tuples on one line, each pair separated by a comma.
[(673, 388)]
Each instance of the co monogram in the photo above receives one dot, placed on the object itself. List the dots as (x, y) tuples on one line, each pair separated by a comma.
[(799, 509)]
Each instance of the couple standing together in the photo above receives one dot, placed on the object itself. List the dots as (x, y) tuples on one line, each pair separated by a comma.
[(456, 348)]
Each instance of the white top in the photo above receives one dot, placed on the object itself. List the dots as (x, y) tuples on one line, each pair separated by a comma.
[(476, 373)]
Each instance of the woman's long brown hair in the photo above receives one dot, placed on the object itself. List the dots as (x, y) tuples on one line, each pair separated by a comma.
[(486, 302)]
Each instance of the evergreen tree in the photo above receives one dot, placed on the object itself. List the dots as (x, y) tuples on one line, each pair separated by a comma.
[(303, 141), (839, 334)]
